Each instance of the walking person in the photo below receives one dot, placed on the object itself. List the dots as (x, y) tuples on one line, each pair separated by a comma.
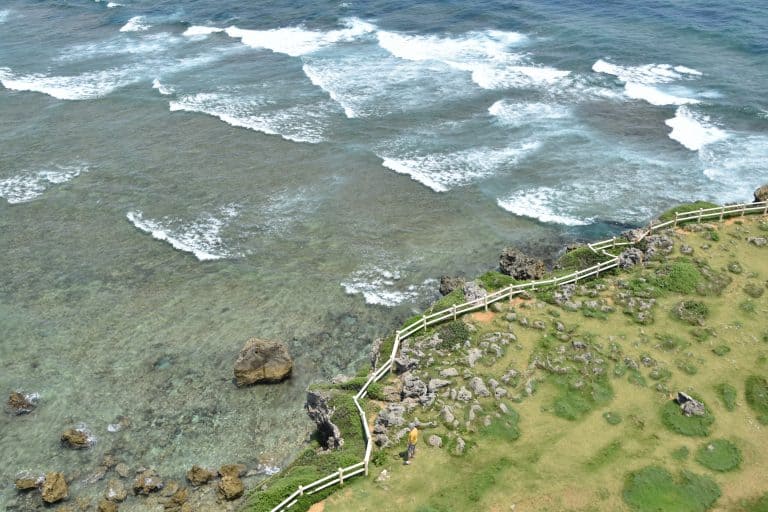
[(413, 438)]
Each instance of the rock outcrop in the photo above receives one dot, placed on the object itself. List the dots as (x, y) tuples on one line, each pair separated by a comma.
[(22, 403), (689, 405), (230, 487), (54, 487), (630, 258), (448, 284), (473, 291), (262, 361), (519, 266), (320, 412), (761, 194)]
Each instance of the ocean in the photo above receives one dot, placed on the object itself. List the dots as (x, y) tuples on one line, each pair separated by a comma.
[(177, 177)]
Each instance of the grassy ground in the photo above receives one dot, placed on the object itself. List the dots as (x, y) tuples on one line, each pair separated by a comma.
[(592, 441)]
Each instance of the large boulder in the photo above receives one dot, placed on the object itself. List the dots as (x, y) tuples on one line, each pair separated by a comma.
[(262, 361), (520, 266), (473, 291), (22, 403), (631, 257), (26, 480), (198, 475), (230, 487), (761, 194), (448, 284), (689, 405), (319, 411), (54, 487)]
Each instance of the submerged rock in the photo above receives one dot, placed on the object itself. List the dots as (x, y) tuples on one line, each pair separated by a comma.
[(147, 482), (115, 491), (262, 361), (237, 470), (54, 487), (230, 487), (22, 403), (198, 475), (78, 438), (107, 506), (26, 480)]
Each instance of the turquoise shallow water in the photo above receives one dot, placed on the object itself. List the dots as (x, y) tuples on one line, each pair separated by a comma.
[(178, 177)]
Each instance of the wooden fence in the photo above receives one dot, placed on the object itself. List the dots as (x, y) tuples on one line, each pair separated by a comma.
[(508, 293)]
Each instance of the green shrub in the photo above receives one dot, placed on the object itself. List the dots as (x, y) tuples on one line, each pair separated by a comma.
[(721, 350), (653, 489), (680, 276), (735, 267), (379, 458), (605, 455), (727, 394), (579, 258), (754, 290), (756, 392), (670, 342), (701, 334), (454, 298), (687, 207), (574, 403), (694, 426), (452, 333), (759, 504), (688, 367), (494, 280), (660, 373), (719, 455), (748, 306), (613, 418), (693, 312)]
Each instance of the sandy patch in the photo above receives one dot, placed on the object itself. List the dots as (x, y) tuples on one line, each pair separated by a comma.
[(482, 316)]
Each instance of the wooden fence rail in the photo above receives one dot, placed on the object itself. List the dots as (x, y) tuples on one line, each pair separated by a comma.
[(508, 293)]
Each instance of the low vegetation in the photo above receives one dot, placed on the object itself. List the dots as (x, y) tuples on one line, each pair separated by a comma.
[(719, 455), (653, 489)]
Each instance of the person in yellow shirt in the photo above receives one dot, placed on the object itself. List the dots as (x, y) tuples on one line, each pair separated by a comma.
[(413, 438)]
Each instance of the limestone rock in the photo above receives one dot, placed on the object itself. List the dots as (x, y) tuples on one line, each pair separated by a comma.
[(383, 476), (473, 356), (435, 441), (477, 386), (178, 501), (516, 264), (320, 412), (115, 491), (449, 372), (54, 487), (435, 384), (198, 475), (473, 291), (147, 482), (446, 413), (404, 364), (759, 241), (460, 446), (230, 487), (78, 438), (237, 470), (464, 395), (262, 361), (448, 284), (761, 194), (631, 258), (122, 470), (26, 480), (22, 403), (689, 405)]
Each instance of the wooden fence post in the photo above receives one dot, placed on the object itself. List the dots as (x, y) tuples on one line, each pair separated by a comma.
[(424, 321), (701, 211), (722, 210), (301, 490), (765, 210), (454, 311), (485, 302), (743, 209), (341, 477), (675, 224)]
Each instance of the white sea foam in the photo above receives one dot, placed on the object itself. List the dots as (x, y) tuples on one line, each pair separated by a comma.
[(28, 186), (296, 123), (161, 88), (298, 41), (197, 30), (383, 287), (80, 87), (136, 24), (443, 171), (112, 5), (538, 204), (201, 237), (693, 130), (735, 164), (504, 77), (517, 114), (4, 15), (640, 82)]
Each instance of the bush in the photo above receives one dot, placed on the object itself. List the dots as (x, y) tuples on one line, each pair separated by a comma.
[(719, 455), (455, 297), (653, 489), (453, 333), (759, 504), (613, 418), (721, 350), (681, 276), (681, 453), (494, 280), (756, 392), (687, 207), (579, 258), (727, 394), (692, 311), (754, 290), (694, 426), (572, 404), (748, 307)]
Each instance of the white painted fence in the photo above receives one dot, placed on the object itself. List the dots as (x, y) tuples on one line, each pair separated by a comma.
[(508, 293)]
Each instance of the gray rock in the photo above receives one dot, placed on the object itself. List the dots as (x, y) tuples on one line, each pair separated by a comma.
[(446, 413), (448, 284), (435, 441), (473, 411), (759, 241), (473, 356), (658, 245), (493, 383), (478, 387), (631, 257), (578, 345), (319, 411), (464, 395), (503, 408), (460, 446), (689, 405), (376, 351), (686, 250), (473, 291), (520, 266), (509, 375), (538, 324), (449, 372), (761, 194), (499, 393), (414, 387), (404, 364), (435, 384), (383, 476)]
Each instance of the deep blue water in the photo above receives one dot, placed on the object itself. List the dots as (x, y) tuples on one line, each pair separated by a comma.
[(176, 177)]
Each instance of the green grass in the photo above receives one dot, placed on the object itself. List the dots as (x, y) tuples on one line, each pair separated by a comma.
[(612, 418), (579, 258), (686, 207), (494, 280), (756, 392), (759, 504), (454, 298), (674, 419), (605, 455), (748, 306), (681, 453), (719, 455), (727, 395), (653, 489), (721, 350), (754, 290), (572, 404), (680, 276), (693, 312)]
